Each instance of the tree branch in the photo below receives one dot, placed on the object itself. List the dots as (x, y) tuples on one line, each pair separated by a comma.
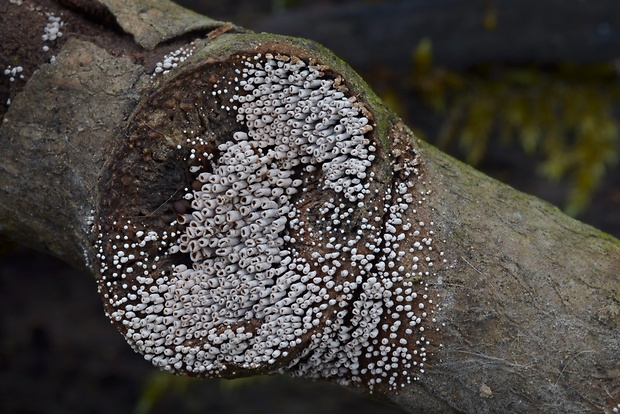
[(258, 210)]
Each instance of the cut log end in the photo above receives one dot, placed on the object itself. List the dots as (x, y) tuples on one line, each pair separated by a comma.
[(253, 222)]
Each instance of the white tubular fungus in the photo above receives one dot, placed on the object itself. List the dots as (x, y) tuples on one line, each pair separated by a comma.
[(272, 280)]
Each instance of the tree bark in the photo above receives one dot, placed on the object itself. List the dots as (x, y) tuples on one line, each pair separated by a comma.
[(530, 301), (525, 301)]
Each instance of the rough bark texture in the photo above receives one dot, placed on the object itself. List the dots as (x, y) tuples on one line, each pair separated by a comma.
[(529, 297), (58, 133), (68, 117), (531, 301)]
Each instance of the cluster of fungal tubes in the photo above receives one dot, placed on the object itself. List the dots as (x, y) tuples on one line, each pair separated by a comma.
[(292, 250), (14, 72), (173, 59), (52, 30)]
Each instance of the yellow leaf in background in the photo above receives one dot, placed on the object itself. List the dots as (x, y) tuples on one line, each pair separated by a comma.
[(563, 116), (422, 57)]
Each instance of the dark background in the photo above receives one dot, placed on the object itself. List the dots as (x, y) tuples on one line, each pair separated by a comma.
[(59, 353)]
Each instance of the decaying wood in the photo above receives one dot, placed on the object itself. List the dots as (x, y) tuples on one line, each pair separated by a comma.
[(530, 298)]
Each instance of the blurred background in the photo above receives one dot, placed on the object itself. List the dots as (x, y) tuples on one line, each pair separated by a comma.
[(525, 90)]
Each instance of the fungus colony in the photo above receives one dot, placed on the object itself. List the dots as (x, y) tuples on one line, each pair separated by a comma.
[(173, 59), (294, 245)]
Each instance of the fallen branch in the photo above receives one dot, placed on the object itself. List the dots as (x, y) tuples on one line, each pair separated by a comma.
[(251, 207)]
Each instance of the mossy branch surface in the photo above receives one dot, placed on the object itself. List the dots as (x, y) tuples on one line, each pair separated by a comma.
[(530, 298)]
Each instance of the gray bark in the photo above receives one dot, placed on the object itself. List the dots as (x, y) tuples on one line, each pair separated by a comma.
[(529, 298)]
